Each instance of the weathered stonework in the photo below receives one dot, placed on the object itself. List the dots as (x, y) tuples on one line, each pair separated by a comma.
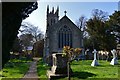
[(53, 27), (59, 67)]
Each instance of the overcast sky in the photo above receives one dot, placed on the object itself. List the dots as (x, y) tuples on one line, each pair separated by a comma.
[(74, 11)]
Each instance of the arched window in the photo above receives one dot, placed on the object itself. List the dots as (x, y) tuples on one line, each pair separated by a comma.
[(64, 37)]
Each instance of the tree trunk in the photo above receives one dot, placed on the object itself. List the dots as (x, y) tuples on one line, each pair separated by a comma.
[(68, 67)]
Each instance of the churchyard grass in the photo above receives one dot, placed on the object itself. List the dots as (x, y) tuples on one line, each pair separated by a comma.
[(42, 69), (0, 75), (104, 70), (83, 70), (15, 68)]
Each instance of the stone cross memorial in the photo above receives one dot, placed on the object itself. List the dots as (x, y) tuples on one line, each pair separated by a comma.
[(114, 60), (95, 63)]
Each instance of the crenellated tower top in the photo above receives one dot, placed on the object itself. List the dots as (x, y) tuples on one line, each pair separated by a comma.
[(52, 17)]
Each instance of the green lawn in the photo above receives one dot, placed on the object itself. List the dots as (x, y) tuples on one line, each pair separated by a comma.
[(42, 69), (15, 68), (104, 70), (84, 70)]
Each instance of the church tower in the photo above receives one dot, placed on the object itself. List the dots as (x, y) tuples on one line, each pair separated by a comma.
[(52, 17), (59, 33)]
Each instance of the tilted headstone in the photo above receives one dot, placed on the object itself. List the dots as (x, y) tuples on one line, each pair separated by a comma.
[(86, 53), (95, 63), (59, 64), (114, 60), (59, 67)]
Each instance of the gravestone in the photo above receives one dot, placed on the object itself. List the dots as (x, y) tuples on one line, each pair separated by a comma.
[(86, 54), (59, 67), (114, 60), (118, 51), (95, 63)]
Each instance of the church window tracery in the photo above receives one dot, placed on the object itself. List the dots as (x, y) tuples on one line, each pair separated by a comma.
[(64, 37)]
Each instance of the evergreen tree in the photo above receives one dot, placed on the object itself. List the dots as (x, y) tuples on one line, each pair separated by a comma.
[(12, 15), (114, 23), (97, 27)]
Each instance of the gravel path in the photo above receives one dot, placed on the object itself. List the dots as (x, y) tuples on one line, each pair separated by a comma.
[(32, 72)]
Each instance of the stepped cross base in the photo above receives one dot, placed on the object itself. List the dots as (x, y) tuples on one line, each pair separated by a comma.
[(94, 63), (114, 61)]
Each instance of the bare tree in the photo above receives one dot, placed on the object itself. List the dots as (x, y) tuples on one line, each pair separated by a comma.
[(30, 35), (26, 40), (81, 22), (99, 14), (27, 28)]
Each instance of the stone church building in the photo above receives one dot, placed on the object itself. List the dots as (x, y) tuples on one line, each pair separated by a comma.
[(59, 33)]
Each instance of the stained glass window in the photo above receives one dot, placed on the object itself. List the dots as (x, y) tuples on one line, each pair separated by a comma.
[(64, 37)]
